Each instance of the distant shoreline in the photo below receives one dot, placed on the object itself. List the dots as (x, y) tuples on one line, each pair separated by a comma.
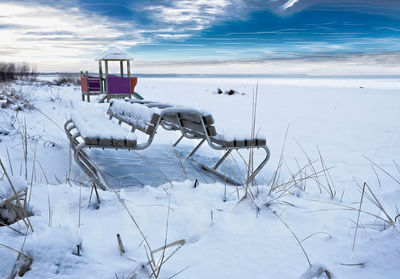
[(246, 76)]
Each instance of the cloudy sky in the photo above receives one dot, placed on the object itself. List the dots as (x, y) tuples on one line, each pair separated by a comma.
[(207, 36)]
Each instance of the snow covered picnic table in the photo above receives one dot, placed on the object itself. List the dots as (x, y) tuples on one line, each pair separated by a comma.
[(96, 129), (93, 129)]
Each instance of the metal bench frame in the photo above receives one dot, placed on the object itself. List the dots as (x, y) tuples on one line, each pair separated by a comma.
[(84, 161), (90, 168), (212, 142)]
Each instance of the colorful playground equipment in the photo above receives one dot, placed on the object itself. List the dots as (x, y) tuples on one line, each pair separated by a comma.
[(113, 86)]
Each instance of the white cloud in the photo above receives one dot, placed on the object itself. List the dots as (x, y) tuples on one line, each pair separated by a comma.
[(173, 36), (195, 15), (51, 36), (289, 4)]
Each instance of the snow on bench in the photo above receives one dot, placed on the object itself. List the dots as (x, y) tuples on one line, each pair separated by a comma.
[(138, 116), (97, 129), (240, 138)]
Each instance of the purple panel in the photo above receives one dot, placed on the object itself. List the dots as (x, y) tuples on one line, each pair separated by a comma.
[(118, 85), (94, 84)]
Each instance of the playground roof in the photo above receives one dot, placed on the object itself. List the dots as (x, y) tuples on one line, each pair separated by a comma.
[(114, 54)]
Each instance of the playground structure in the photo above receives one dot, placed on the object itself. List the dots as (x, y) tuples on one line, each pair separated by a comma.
[(113, 86)]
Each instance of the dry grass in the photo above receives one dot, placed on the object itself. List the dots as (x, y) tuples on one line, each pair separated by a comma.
[(68, 79), (155, 265), (16, 203), (17, 98), (23, 262)]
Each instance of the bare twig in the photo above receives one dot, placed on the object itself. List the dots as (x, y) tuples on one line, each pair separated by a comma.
[(9, 162), (358, 216), (120, 244), (304, 239), (295, 236), (379, 167)]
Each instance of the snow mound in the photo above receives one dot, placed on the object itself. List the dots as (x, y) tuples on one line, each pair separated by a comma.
[(6, 191), (317, 271)]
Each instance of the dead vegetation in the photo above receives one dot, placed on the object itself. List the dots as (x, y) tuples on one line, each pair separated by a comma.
[(152, 267), (16, 98), (22, 264), (14, 207), (68, 79), (23, 71)]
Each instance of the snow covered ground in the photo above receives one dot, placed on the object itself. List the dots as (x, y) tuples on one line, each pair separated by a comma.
[(340, 121)]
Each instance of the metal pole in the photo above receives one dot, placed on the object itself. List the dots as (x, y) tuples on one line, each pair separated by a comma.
[(106, 81), (128, 68), (87, 86), (101, 77)]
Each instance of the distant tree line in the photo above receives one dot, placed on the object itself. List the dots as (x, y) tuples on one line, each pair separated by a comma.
[(11, 71)]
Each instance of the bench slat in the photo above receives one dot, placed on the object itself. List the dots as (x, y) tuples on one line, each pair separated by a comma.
[(170, 119), (199, 128), (109, 134), (105, 142), (118, 143), (91, 141), (136, 115), (240, 143), (208, 119), (188, 123)]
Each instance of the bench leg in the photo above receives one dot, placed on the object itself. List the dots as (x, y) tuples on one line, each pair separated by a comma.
[(214, 171), (196, 148), (83, 97), (89, 167), (260, 166), (82, 159), (222, 159), (230, 180), (178, 141), (220, 175), (88, 97)]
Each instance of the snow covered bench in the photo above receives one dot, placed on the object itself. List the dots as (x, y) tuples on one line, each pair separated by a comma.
[(139, 117), (96, 130), (195, 124)]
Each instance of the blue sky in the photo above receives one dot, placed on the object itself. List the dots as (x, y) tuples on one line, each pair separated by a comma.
[(182, 35)]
